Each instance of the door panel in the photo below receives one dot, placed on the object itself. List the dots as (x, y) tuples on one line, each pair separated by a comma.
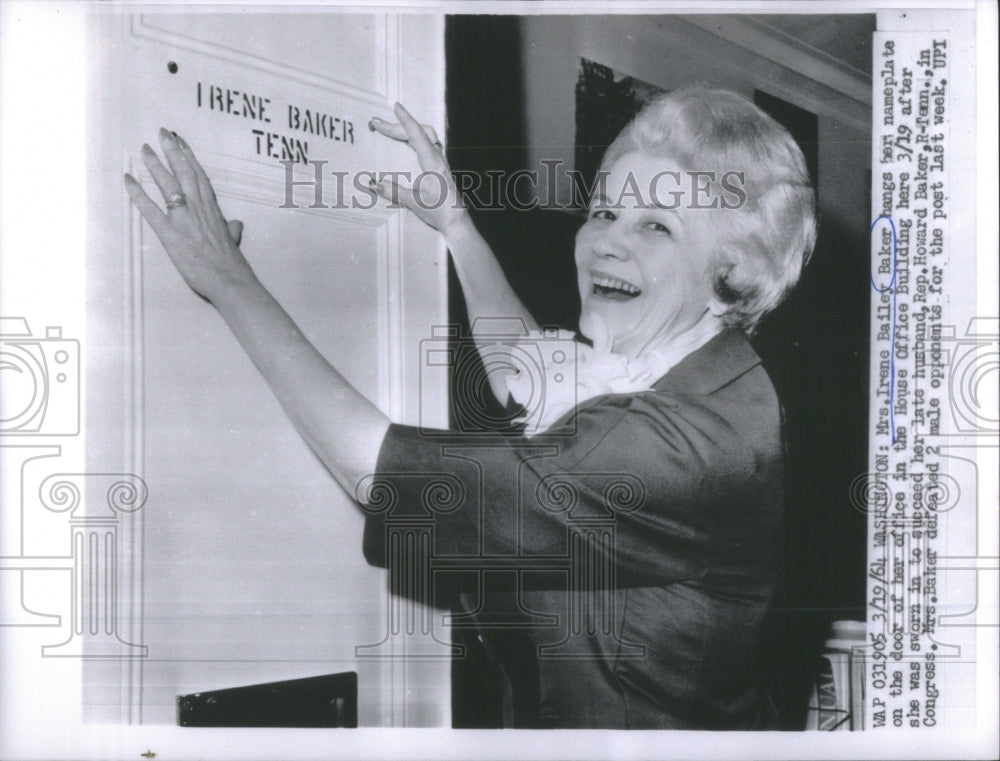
[(244, 565), (346, 50)]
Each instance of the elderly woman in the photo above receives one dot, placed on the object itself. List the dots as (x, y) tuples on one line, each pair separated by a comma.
[(700, 226)]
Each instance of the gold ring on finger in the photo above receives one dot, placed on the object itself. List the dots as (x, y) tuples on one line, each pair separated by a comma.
[(176, 200)]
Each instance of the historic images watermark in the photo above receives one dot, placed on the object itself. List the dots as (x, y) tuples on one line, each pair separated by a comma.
[(520, 190), (41, 406)]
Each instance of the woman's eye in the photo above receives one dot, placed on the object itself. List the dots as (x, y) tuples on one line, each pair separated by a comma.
[(602, 214), (657, 227)]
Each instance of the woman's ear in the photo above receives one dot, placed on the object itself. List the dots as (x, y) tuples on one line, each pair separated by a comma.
[(723, 294)]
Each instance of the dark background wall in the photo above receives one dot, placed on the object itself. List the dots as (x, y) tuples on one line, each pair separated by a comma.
[(815, 346)]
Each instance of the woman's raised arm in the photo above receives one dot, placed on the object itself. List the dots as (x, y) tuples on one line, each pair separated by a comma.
[(487, 292), (340, 424)]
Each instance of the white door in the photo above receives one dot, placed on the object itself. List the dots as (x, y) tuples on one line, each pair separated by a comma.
[(244, 563)]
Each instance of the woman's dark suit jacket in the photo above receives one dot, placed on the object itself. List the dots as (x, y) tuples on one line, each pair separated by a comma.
[(640, 534)]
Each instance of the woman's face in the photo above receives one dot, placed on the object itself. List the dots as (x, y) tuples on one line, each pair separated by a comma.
[(642, 256)]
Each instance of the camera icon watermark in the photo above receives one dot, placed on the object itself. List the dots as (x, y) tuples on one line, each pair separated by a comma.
[(40, 380), (971, 365), (537, 369)]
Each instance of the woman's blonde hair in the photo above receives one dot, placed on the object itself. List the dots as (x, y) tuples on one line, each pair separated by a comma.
[(766, 238)]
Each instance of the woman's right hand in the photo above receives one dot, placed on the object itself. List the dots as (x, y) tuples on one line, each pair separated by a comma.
[(434, 197)]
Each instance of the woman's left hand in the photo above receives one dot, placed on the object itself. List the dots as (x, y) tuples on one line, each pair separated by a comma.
[(436, 202), (200, 242)]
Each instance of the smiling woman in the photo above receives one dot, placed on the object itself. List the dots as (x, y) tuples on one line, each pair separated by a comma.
[(644, 269), (760, 244), (640, 520), (658, 614)]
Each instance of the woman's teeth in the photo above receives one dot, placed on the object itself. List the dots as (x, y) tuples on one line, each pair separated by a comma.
[(614, 288)]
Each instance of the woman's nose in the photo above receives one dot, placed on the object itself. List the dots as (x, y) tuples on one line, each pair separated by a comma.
[(610, 244)]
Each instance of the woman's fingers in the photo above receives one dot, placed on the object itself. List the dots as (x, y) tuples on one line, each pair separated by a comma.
[(204, 184), (398, 131), (162, 176), (186, 177), (419, 141), (421, 138), (147, 207), (205, 189), (395, 193), (235, 228), (179, 165), (198, 239)]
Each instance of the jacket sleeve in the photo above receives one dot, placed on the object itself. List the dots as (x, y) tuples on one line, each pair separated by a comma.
[(662, 488)]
